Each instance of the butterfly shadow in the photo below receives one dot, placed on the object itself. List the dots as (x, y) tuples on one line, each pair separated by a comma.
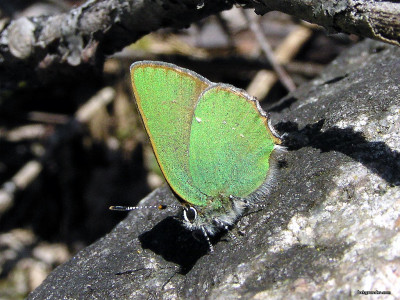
[(377, 156), (177, 244)]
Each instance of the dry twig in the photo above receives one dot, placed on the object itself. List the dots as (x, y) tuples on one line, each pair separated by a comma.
[(266, 48), (264, 79)]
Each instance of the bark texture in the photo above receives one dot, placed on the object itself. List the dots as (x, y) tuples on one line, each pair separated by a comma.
[(377, 19), (42, 49)]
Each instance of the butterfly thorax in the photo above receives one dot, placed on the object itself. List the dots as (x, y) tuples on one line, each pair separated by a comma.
[(220, 212)]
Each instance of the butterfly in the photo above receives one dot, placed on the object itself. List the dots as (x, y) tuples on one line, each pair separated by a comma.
[(212, 141)]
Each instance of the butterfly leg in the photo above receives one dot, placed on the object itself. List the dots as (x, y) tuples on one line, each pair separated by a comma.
[(208, 239)]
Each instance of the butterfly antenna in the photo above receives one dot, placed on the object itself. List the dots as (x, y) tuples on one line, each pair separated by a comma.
[(208, 239), (128, 208)]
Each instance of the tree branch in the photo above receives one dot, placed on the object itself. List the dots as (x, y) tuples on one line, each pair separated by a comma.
[(37, 50), (42, 50), (376, 19)]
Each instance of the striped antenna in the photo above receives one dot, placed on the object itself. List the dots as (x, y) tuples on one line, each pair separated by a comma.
[(128, 208)]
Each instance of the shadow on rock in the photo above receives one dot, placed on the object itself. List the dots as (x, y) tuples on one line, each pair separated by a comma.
[(175, 243), (376, 156)]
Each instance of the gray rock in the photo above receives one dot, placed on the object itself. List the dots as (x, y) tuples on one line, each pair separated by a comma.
[(330, 227)]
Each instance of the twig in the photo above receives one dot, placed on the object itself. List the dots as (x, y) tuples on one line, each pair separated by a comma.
[(26, 132), (266, 48), (286, 51), (225, 28), (19, 182), (89, 109), (45, 117), (307, 69)]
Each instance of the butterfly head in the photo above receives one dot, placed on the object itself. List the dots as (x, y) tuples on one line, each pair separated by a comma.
[(219, 213)]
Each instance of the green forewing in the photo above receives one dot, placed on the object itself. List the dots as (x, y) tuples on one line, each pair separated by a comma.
[(230, 143), (166, 98)]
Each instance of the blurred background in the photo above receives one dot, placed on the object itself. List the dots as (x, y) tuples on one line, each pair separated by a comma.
[(69, 151)]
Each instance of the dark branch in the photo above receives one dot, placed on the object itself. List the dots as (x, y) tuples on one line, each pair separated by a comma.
[(41, 50), (376, 19)]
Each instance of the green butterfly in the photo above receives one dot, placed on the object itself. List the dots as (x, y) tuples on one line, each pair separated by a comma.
[(213, 142)]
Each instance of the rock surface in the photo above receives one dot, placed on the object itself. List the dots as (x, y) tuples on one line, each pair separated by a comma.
[(331, 225)]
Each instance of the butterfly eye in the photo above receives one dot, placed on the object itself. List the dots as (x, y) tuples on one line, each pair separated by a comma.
[(190, 214)]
